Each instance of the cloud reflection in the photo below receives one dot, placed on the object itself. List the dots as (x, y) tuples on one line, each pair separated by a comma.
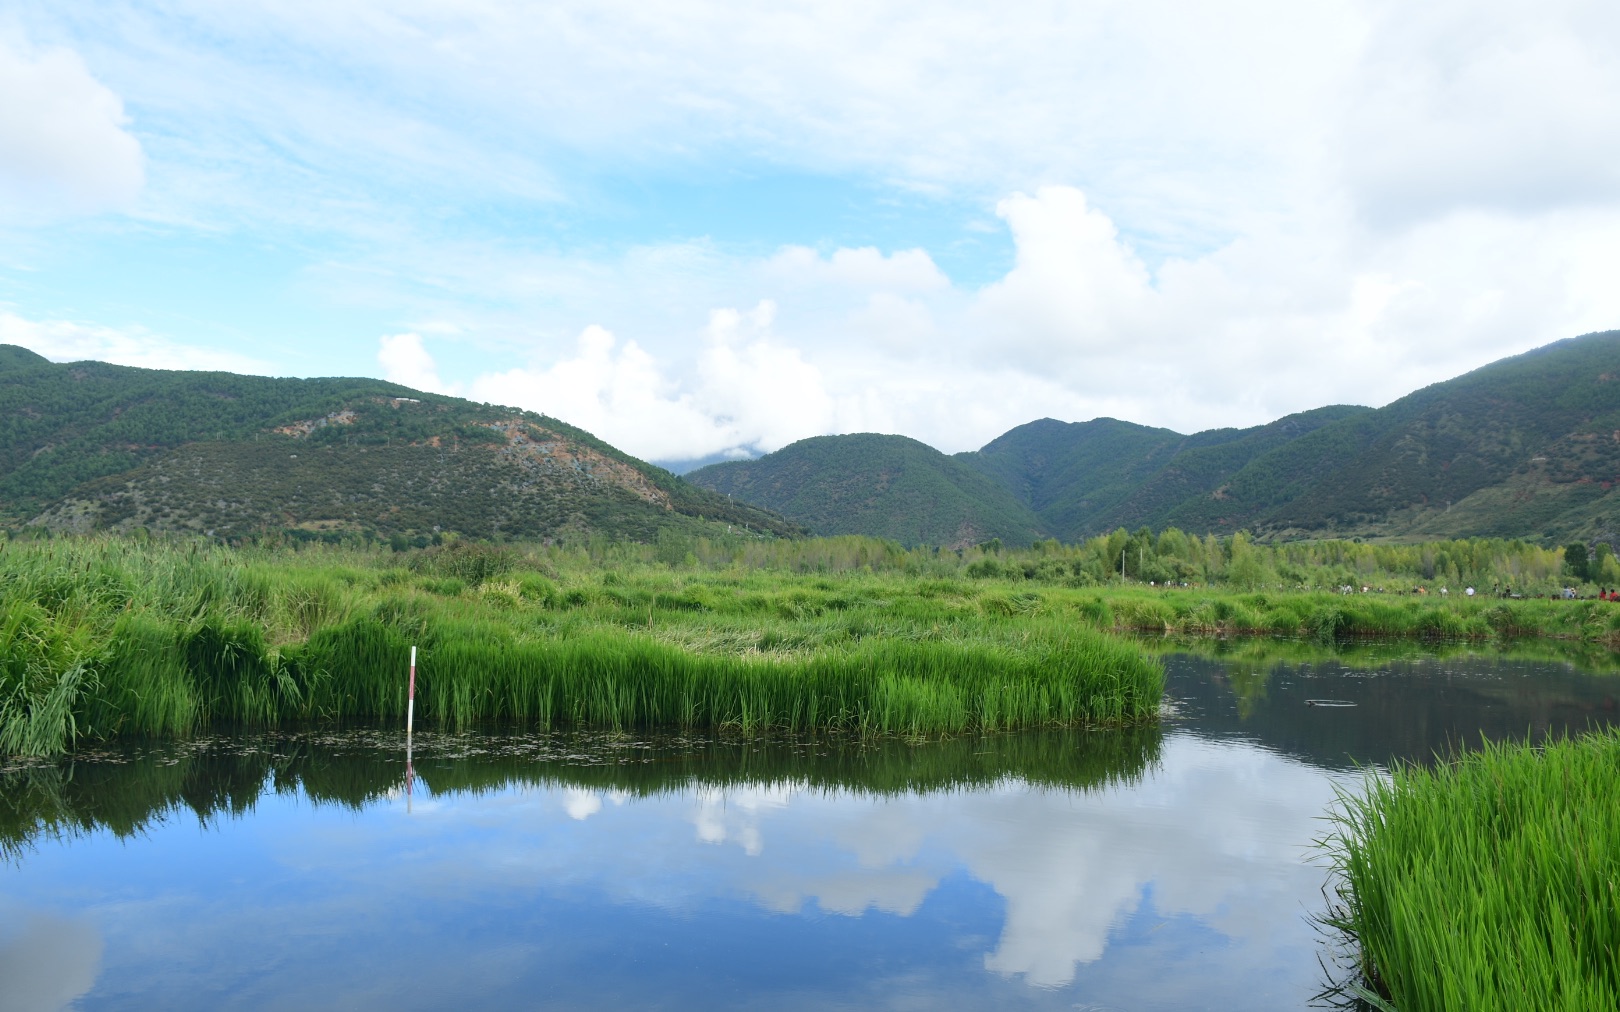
[(1221, 833), (46, 961)]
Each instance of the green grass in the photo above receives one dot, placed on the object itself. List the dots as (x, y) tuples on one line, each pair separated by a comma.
[(1492, 882), (1329, 618), (102, 637)]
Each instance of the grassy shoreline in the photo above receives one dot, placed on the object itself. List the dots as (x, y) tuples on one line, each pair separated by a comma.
[(101, 637), (1489, 882), (1326, 617)]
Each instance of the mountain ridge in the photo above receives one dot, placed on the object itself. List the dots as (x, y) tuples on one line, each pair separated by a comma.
[(91, 446), (1527, 446)]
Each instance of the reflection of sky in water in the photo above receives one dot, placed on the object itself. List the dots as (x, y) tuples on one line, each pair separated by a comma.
[(1195, 883)]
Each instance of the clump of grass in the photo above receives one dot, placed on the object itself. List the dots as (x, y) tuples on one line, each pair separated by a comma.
[(1491, 882)]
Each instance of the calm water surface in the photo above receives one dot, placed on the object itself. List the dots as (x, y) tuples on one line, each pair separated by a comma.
[(1166, 869)]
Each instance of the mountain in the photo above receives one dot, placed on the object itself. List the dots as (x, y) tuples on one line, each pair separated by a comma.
[(1085, 478), (1525, 447), (1528, 446), (88, 445), (883, 486)]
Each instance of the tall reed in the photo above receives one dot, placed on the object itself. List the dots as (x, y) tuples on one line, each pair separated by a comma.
[(1491, 882), (102, 637)]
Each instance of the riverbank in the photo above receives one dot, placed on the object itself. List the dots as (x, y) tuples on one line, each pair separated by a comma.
[(1488, 882), (104, 637), (1328, 617)]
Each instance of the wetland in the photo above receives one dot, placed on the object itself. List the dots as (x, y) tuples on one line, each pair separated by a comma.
[(1171, 865)]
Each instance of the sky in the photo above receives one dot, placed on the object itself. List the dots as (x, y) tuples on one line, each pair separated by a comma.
[(701, 228)]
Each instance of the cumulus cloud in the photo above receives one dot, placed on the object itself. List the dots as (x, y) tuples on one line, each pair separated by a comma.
[(1217, 216), (1288, 319), (745, 390), (70, 341), (64, 142), (406, 361), (1075, 284)]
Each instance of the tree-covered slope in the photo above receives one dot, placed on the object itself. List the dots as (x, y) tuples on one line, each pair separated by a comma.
[(1071, 473), (1551, 415), (89, 445), (882, 486), (1525, 447), (1086, 478)]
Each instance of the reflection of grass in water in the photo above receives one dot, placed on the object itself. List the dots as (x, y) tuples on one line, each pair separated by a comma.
[(125, 792), (1249, 686), (1490, 882), (1589, 658)]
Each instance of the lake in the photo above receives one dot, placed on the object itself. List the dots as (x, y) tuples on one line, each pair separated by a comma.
[(1166, 868)]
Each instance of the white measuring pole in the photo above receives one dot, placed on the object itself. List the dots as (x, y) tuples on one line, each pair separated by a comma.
[(410, 701), (410, 719)]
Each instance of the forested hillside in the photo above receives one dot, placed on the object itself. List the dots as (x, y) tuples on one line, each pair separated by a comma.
[(89, 445), (1084, 478), (883, 486), (1530, 443), (1527, 447)]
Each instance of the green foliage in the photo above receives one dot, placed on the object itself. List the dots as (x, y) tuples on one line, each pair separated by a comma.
[(107, 637), (888, 487), (1082, 478), (93, 446), (1527, 447), (1575, 561), (1489, 882)]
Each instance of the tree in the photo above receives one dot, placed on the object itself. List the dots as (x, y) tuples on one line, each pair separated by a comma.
[(1575, 561)]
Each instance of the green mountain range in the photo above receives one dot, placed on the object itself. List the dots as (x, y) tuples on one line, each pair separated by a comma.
[(884, 486), (88, 446), (1525, 447)]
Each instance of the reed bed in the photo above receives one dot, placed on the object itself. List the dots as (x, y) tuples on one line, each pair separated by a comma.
[(1328, 618), (102, 637), (1491, 882)]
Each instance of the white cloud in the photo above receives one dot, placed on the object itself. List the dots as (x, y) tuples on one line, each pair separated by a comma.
[(64, 146), (68, 341), (747, 390), (1505, 106), (1220, 214), (1075, 284), (406, 361), (1281, 321), (905, 271)]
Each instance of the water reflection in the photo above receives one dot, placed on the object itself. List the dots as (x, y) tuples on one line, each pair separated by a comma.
[(1162, 868), (46, 961), (1410, 708)]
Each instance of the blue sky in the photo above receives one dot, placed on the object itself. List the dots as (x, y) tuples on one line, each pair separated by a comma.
[(708, 227)]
